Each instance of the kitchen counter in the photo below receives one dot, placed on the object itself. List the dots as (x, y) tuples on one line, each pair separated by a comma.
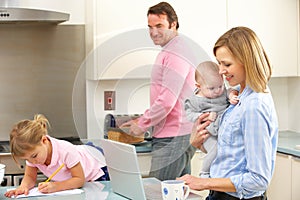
[(92, 190), (95, 191), (143, 147), (287, 142)]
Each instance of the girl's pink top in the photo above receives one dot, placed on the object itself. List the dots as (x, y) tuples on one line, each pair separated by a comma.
[(64, 152)]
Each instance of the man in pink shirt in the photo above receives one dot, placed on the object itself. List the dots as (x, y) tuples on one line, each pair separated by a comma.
[(172, 81)]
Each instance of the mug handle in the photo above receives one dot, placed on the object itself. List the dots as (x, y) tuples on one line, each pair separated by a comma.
[(187, 191)]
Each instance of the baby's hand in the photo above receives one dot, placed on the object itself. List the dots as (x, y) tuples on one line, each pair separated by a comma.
[(233, 100)]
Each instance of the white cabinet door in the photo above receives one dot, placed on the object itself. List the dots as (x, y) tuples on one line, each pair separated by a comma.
[(295, 178), (275, 23), (281, 184), (120, 51)]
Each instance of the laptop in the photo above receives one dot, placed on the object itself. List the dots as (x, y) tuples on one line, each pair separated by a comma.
[(125, 177)]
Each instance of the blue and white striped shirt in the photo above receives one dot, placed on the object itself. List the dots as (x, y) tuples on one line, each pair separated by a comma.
[(247, 144)]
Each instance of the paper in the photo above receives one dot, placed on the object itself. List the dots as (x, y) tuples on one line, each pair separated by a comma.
[(35, 192)]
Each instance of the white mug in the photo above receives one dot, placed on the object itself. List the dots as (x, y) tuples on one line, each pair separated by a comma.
[(174, 190)]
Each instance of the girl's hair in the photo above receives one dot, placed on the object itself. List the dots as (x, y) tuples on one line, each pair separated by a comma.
[(164, 8), (27, 134), (244, 45)]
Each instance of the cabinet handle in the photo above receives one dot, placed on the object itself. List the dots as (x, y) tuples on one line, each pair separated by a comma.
[(297, 159), (283, 155)]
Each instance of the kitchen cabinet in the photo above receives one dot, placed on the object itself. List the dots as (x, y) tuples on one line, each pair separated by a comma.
[(144, 160), (285, 183), (281, 184), (119, 46), (276, 24), (295, 178)]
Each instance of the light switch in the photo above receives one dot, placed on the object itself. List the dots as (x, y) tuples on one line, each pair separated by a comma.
[(109, 100)]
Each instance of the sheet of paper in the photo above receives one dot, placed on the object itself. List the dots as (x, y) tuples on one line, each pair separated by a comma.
[(35, 192)]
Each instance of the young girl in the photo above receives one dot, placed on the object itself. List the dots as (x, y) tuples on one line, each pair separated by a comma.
[(29, 140)]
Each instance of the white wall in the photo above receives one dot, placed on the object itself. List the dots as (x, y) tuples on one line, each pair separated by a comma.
[(132, 97), (279, 89), (293, 106)]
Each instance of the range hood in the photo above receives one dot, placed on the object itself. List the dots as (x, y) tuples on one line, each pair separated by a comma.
[(17, 15)]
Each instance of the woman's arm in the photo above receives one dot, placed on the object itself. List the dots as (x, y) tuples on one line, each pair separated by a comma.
[(77, 181), (217, 184)]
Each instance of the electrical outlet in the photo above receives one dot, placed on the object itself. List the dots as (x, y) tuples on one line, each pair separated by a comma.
[(109, 100)]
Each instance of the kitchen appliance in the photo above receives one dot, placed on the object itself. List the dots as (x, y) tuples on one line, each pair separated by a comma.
[(26, 15), (112, 123), (16, 11)]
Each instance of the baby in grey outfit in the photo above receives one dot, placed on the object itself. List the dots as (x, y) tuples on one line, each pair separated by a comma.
[(210, 96)]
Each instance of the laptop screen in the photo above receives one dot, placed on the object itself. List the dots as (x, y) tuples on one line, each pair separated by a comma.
[(123, 168)]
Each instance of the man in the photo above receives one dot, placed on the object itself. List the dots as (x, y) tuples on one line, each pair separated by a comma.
[(172, 81)]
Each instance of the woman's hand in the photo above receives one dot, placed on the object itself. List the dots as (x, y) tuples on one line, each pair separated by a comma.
[(199, 133), (194, 183), (14, 193)]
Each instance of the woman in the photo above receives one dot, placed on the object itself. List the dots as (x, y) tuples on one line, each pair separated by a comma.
[(248, 132)]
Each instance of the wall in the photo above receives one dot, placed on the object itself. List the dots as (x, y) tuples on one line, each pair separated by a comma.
[(279, 88), (293, 104), (132, 97), (39, 66), (286, 94)]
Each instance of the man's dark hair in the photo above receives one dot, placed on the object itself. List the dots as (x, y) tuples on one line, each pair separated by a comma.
[(164, 8)]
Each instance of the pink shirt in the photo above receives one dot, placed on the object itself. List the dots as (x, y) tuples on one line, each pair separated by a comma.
[(172, 81), (70, 155)]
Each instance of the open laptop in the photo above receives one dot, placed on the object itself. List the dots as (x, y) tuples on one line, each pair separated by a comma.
[(124, 172)]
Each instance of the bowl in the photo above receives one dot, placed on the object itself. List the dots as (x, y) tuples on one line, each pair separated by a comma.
[(2, 172)]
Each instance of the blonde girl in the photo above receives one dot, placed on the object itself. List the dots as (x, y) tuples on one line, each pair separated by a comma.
[(29, 140)]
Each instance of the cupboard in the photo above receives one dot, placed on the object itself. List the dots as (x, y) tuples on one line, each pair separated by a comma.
[(276, 24), (285, 182)]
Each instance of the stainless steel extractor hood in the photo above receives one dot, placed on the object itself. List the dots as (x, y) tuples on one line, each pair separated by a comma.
[(18, 15)]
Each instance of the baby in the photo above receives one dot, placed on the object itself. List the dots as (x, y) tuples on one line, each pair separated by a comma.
[(210, 96)]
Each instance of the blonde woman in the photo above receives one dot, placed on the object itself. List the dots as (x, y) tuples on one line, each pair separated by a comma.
[(29, 140), (248, 132)]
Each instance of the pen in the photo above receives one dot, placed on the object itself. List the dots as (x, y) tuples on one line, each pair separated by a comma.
[(54, 173)]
